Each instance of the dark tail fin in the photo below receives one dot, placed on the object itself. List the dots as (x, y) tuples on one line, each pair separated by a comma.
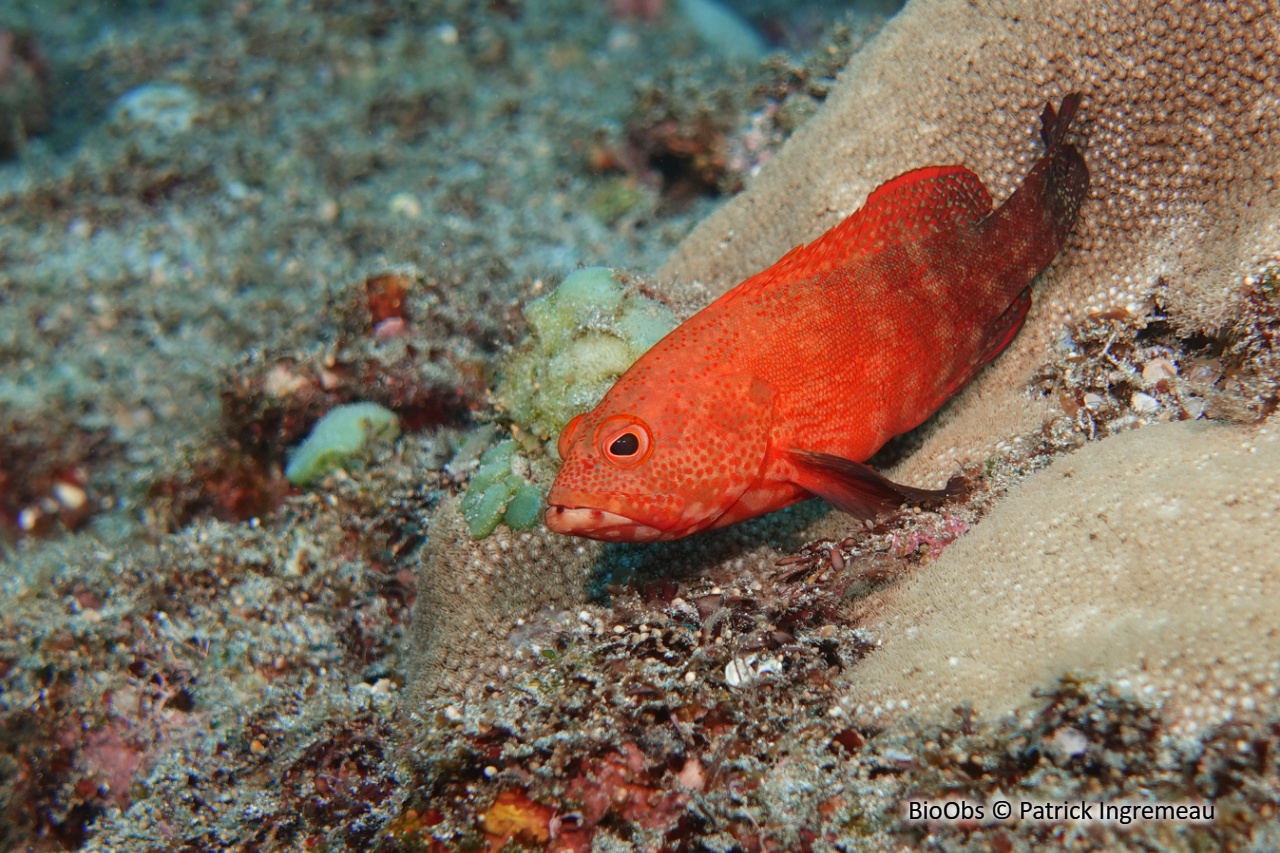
[(1054, 125), (1066, 177), (1033, 224)]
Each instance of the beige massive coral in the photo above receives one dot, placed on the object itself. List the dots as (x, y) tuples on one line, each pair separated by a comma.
[(1149, 557), (471, 594)]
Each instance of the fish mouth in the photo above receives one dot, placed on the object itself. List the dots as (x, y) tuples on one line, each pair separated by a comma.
[(598, 524)]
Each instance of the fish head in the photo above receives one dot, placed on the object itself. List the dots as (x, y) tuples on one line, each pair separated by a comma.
[(645, 466)]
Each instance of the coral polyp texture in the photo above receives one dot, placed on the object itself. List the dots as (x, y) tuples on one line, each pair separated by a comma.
[(1149, 556)]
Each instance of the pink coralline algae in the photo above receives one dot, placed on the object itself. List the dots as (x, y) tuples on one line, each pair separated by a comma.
[(928, 542)]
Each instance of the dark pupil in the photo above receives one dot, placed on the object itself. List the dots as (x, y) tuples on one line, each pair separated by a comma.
[(625, 445)]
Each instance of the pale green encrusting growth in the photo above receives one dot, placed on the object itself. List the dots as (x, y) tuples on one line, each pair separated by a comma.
[(497, 493), (341, 436), (584, 335)]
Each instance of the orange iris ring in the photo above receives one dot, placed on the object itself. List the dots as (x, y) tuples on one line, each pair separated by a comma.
[(617, 426)]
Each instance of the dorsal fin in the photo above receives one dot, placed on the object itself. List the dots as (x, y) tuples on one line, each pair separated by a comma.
[(912, 206)]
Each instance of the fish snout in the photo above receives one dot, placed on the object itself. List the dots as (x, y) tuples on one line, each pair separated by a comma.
[(600, 524)]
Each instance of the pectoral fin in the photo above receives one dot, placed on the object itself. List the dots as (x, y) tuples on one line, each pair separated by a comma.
[(858, 490)]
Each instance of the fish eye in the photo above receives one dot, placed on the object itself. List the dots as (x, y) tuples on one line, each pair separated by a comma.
[(626, 444), (566, 435), (624, 440)]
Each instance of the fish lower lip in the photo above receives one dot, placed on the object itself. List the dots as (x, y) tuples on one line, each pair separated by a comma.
[(598, 524)]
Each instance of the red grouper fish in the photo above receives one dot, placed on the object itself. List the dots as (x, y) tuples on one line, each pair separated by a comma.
[(780, 389)]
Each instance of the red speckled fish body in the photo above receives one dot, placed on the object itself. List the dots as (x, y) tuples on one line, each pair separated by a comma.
[(782, 387)]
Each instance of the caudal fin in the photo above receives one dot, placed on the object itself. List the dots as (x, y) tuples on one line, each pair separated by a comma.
[(1034, 222), (1066, 177), (1054, 124)]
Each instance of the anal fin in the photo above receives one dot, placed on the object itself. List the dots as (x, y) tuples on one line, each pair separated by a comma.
[(1006, 328), (857, 489), (1003, 331)]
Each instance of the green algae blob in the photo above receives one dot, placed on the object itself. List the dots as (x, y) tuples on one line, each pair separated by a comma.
[(497, 493), (525, 507), (341, 435), (583, 336)]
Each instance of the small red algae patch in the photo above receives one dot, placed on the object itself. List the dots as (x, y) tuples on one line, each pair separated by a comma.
[(225, 484), (927, 541), (614, 786), (636, 10), (411, 830)]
